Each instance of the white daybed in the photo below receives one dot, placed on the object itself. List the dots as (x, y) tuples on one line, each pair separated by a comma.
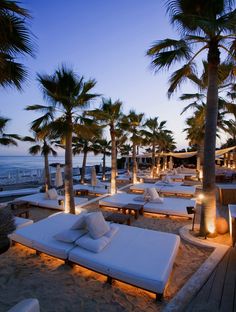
[(98, 189), (174, 188), (40, 200), (170, 206), (21, 222), (19, 192), (141, 257)]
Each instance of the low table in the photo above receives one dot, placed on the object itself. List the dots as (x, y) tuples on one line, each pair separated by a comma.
[(20, 208), (137, 208), (118, 218)]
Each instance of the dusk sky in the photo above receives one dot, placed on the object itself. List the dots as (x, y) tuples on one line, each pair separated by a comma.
[(104, 40)]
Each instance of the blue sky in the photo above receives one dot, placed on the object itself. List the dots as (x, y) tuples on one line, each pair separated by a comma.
[(101, 39)]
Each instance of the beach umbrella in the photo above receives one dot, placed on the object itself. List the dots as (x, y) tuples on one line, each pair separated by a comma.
[(93, 177), (59, 180), (171, 163)]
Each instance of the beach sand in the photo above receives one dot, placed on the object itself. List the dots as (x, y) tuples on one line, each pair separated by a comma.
[(59, 287)]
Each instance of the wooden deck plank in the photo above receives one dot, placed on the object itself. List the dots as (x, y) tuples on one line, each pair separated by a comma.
[(209, 297), (228, 294)]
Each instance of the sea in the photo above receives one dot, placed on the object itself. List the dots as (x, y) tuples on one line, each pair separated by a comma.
[(14, 169)]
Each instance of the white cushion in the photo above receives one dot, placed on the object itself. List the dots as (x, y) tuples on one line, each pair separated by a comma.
[(26, 305), (153, 193), (80, 223), (94, 245), (139, 198), (52, 194), (96, 225), (158, 200), (113, 230), (69, 236)]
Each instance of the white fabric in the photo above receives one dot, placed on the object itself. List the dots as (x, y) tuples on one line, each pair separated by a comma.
[(170, 206), (98, 189), (59, 179), (137, 256), (21, 222), (152, 193), (26, 305), (40, 200), (140, 198), (96, 225), (52, 194), (20, 192), (94, 245), (40, 234), (167, 179), (175, 188), (69, 236), (80, 223)]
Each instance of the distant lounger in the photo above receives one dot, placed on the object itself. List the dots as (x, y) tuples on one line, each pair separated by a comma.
[(175, 188), (40, 200), (96, 190), (170, 206), (140, 257), (19, 192)]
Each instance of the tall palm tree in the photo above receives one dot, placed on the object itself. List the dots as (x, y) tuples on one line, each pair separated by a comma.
[(132, 123), (212, 25), (153, 133), (68, 95), (7, 138), (15, 42), (109, 115), (103, 146), (44, 146)]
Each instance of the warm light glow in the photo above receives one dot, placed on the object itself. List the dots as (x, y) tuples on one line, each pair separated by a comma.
[(201, 174), (201, 196), (211, 228)]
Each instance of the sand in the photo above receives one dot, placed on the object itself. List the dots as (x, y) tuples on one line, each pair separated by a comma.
[(59, 287)]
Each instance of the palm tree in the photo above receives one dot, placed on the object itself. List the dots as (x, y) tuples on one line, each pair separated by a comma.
[(109, 114), (44, 146), (6, 138), (68, 95), (212, 25), (15, 41), (103, 146), (153, 133), (132, 123)]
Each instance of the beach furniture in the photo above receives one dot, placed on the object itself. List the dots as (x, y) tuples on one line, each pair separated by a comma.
[(99, 189), (174, 188), (26, 305), (40, 200), (21, 222), (171, 206), (19, 192), (140, 257)]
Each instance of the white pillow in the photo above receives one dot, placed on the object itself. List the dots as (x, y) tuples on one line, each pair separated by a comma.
[(96, 225), (152, 193), (69, 236), (52, 194), (80, 222), (113, 230), (94, 245)]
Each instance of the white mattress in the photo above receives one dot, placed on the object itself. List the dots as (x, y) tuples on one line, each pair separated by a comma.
[(175, 188), (40, 200), (21, 222), (98, 189), (19, 192), (137, 256), (39, 235), (170, 206)]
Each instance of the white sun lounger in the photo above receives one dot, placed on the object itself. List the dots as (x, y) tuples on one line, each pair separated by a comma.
[(21, 222), (98, 189), (175, 188), (39, 235), (170, 206), (20, 192), (141, 257), (40, 201)]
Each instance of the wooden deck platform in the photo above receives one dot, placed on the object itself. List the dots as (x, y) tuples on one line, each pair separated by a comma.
[(218, 294)]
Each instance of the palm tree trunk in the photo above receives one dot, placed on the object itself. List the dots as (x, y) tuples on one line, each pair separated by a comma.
[(47, 173), (84, 166), (208, 212), (153, 161), (104, 167), (134, 177), (113, 160), (69, 193)]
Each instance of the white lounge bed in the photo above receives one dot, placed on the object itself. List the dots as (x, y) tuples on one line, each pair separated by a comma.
[(170, 206), (141, 257), (19, 192), (175, 188), (40, 200), (98, 189), (21, 222)]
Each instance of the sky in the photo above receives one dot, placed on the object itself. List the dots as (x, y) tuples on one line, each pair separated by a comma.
[(102, 39)]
